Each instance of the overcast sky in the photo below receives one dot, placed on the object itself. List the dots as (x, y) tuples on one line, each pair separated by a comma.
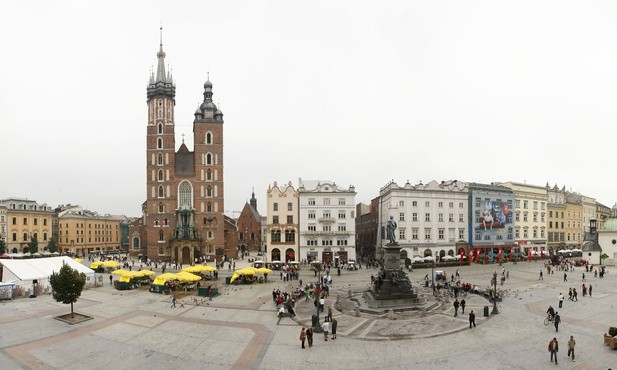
[(358, 92)]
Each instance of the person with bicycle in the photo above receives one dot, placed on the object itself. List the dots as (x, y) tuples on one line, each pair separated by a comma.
[(551, 313)]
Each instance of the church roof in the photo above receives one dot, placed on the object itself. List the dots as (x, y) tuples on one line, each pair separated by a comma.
[(591, 247), (610, 224)]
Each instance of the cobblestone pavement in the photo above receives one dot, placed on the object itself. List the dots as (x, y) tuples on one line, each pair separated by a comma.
[(238, 329)]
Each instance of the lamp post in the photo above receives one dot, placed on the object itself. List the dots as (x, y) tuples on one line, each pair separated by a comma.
[(316, 326), (495, 311)]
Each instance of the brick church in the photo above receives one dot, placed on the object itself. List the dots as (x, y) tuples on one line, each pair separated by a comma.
[(183, 215)]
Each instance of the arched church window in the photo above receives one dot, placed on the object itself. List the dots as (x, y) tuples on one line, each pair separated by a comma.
[(161, 176), (209, 175), (209, 192), (209, 138), (161, 208), (159, 143), (161, 192), (185, 195), (208, 158), (160, 129), (160, 159), (209, 207), (161, 235)]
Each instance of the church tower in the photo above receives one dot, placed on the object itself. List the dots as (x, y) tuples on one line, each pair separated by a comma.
[(184, 218), (160, 158)]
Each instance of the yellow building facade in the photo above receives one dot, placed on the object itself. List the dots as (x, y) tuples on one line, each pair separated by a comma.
[(81, 232), (574, 223), (25, 221)]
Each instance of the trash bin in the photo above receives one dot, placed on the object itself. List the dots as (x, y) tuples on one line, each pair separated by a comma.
[(485, 311), (227, 279), (314, 321), (202, 292)]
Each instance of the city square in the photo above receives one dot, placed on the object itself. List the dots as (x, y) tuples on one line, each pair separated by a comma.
[(238, 328)]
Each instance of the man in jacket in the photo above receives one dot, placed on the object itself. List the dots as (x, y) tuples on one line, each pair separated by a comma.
[(553, 348), (557, 321), (571, 344)]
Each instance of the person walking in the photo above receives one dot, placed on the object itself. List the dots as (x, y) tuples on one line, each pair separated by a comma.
[(574, 295), (303, 336), (589, 290), (553, 348), (111, 278), (463, 305), (333, 325), (557, 321), (565, 277), (280, 314), (309, 336), (329, 316), (326, 330), (541, 277), (173, 301), (472, 319), (570, 294), (456, 304), (583, 276), (571, 344), (560, 300)]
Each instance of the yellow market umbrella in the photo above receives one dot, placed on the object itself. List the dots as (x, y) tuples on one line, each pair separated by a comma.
[(163, 278), (119, 272), (187, 276), (146, 272), (263, 270), (128, 275), (233, 277), (95, 265), (247, 271), (111, 263), (198, 269), (78, 260)]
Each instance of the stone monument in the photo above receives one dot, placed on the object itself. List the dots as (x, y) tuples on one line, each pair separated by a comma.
[(391, 287)]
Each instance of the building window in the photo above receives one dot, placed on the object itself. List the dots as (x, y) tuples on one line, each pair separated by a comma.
[(477, 236), (414, 234), (185, 195), (311, 201), (451, 217), (414, 216), (341, 214), (414, 203), (401, 216), (161, 208), (290, 206), (525, 204), (327, 228), (290, 219), (427, 217), (461, 205), (44, 222), (326, 201), (441, 234), (326, 214), (541, 217), (440, 217), (342, 227), (35, 221), (535, 217), (276, 236), (341, 201), (509, 233), (25, 221), (159, 143), (461, 218), (160, 176), (311, 214), (478, 201), (312, 228), (209, 175), (401, 234), (401, 203), (427, 234), (440, 204), (275, 206), (209, 191), (275, 219), (161, 235), (461, 234), (160, 159), (427, 204), (209, 207), (209, 138), (290, 236)]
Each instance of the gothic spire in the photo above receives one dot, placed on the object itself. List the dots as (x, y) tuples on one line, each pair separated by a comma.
[(163, 83), (160, 71)]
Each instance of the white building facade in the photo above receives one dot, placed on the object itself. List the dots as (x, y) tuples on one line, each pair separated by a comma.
[(530, 211), (432, 219), (327, 222), (282, 223)]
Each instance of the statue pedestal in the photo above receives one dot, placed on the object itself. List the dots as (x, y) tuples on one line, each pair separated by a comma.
[(392, 287)]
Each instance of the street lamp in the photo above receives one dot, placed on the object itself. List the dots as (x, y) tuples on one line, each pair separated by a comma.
[(495, 311), (316, 326)]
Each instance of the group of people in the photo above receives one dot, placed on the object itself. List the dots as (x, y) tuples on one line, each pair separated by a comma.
[(553, 348)]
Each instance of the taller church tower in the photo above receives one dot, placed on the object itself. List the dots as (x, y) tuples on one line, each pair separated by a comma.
[(184, 212)]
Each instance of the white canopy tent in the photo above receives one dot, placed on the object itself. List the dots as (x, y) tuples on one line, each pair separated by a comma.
[(23, 272)]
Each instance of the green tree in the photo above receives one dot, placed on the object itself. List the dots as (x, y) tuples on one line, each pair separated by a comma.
[(52, 245), (603, 256), (2, 246), (33, 246), (67, 285)]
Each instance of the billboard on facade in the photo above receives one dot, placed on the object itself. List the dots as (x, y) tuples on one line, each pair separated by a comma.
[(493, 217)]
